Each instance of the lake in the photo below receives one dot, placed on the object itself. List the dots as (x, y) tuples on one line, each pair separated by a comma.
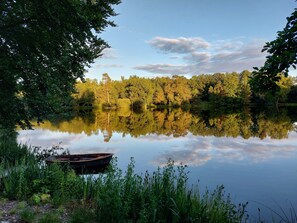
[(253, 154)]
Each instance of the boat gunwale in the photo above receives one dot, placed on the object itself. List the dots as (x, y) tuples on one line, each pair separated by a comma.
[(54, 159)]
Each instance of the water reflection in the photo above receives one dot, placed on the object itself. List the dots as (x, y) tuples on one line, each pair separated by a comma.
[(204, 136), (252, 153), (178, 123), (197, 151)]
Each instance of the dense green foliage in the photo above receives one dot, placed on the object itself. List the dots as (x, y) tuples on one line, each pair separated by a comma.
[(44, 48), (162, 196), (220, 89), (282, 55)]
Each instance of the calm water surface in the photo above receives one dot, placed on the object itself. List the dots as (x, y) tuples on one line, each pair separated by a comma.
[(253, 155)]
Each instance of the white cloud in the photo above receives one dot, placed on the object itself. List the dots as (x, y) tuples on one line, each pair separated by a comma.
[(108, 66), (197, 151), (109, 53), (165, 68), (229, 44), (179, 45), (109, 56), (74, 143), (199, 56), (193, 155)]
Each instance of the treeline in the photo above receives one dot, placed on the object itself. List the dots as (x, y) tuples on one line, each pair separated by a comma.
[(219, 89)]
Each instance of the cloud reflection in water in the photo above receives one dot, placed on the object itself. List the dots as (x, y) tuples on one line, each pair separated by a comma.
[(197, 151)]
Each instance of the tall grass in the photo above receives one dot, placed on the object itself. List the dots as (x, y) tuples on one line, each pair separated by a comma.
[(278, 215), (121, 196), (162, 196), (11, 152)]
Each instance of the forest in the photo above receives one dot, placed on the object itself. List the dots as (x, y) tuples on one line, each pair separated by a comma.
[(231, 90)]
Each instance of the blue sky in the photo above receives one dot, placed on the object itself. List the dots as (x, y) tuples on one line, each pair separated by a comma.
[(189, 37)]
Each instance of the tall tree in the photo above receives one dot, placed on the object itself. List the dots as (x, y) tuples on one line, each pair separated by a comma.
[(44, 48), (106, 81), (285, 84), (245, 90), (282, 55), (139, 90)]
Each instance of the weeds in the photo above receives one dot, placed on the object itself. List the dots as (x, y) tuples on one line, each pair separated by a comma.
[(117, 196), (51, 217), (11, 153), (27, 215), (279, 215), (82, 215), (162, 196)]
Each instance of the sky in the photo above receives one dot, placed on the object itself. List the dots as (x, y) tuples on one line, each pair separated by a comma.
[(189, 37)]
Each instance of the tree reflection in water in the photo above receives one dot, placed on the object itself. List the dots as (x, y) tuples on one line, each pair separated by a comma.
[(176, 123)]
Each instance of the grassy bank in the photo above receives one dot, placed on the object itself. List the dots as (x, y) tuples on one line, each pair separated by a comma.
[(116, 196)]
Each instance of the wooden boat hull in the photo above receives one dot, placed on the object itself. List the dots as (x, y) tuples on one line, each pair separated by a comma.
[(83, 162)]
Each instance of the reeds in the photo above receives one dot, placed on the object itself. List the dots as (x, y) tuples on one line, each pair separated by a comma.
[(117, 196), (162, 196)]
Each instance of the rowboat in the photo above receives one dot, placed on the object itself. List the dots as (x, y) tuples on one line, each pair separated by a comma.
[(79, 162)]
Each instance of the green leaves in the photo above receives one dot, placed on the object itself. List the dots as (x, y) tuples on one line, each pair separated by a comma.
[(282, 55), (44, 48)]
